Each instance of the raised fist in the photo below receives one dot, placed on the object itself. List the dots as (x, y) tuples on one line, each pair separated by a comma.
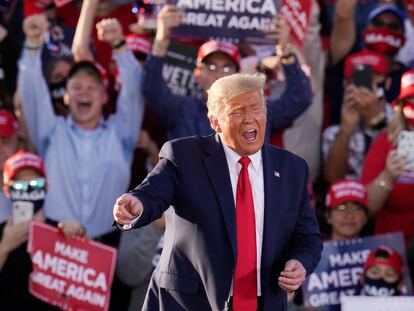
[(35, 27), (110, 31)]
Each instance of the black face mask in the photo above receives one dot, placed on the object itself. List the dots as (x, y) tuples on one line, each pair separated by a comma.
[(33, 196), (379, 288), (57, 91)]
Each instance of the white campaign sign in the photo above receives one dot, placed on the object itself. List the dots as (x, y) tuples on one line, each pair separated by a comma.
[(365, 303)]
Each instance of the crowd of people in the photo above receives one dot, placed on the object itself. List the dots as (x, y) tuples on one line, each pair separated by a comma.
[(85, 109)]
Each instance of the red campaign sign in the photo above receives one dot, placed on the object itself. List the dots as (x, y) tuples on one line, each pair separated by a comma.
[(73, 274), (297, 14)]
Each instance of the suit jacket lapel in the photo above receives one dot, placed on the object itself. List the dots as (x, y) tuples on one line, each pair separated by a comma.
[(218, 172), (271, 169)]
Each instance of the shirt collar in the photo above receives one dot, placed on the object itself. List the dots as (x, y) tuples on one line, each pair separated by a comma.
[(71, 122), (233, 157)]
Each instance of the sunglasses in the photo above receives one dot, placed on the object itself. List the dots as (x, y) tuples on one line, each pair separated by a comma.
[(25, 185), (214, 68)]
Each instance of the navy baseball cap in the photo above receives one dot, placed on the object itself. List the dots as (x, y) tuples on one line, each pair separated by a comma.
[(389, 8)]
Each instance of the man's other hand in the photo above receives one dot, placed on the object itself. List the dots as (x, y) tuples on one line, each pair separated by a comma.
[(292, 277)]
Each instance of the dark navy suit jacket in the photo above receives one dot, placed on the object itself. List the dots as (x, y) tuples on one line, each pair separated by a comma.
[(197, 263)]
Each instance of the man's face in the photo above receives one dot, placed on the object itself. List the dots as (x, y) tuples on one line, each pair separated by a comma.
[(213, 67), (387, 20), (242, 123), (347, 220), (85, 96)]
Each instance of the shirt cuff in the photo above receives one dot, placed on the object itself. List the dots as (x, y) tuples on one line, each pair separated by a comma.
[(129, 226)]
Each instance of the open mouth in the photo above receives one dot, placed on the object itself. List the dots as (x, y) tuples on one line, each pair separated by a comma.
[(250, 135), (84, 106)]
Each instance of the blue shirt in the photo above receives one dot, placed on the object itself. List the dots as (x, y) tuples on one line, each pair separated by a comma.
[(86, 169), (187, 116)]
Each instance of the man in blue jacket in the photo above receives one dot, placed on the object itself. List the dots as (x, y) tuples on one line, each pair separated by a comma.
[(242, 231)]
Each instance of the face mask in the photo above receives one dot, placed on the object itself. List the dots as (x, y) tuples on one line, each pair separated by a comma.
[(383, 41), (57, 91), (379, 288), (33, 192)]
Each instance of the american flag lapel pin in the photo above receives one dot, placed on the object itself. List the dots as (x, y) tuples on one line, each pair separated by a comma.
[(276, 174)]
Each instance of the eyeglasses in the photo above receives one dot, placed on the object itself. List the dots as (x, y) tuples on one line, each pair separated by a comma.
[(24, 185), (214, 68), (350, 207)]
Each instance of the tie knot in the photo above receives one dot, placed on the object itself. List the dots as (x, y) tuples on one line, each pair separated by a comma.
[(244, 161)]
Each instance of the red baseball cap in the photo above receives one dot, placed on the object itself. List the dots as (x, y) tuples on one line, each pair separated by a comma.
[(100, 71), (346, 190), (378, 62), (19, 161), (8, 123), (407, 85), (213, 46), (386, 256), (138, 43)]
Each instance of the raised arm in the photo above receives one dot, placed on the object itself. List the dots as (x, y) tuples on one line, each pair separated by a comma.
[(379, 188), (297, 95), (130, 105), (81, 40), (36, 103), (155, 90), (343, 34), (336, 149)]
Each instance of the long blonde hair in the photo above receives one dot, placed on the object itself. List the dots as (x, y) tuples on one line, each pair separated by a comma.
[(397, 124)]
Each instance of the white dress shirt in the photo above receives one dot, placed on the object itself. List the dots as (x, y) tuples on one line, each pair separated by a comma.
[(257, 182)]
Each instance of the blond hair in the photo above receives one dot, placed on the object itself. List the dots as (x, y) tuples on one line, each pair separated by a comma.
[(397, 124), (225, 89)]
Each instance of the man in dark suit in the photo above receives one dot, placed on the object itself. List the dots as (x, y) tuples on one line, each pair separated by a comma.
[(242, 231)]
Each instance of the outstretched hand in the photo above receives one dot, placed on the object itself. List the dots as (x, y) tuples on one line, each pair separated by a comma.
[(126, 209), (292, 277)]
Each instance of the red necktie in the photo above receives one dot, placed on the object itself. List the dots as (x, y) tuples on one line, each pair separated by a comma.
[(245, 275)]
